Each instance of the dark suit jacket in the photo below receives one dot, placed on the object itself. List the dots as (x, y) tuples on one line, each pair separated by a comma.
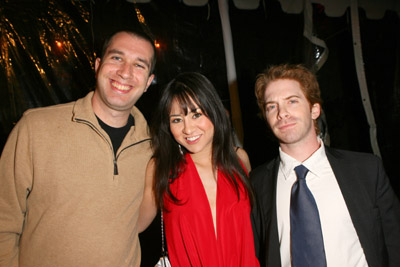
[(372, 204)]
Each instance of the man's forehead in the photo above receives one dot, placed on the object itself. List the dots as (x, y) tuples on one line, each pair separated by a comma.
[(283, 87)]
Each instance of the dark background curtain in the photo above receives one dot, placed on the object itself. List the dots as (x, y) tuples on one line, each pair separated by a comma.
[(48, 50)]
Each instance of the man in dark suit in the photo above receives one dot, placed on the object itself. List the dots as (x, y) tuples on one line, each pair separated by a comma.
[(357, 212)]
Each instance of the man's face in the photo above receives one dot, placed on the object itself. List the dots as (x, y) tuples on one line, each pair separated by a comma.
[(288, 112), (123, 74)]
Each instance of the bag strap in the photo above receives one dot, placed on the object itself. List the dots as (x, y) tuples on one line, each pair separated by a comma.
[(164, 251)]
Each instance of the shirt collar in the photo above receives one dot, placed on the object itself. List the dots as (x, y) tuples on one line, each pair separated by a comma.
[(288, 163)]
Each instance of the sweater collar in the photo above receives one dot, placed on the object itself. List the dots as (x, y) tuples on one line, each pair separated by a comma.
[(83, 111)]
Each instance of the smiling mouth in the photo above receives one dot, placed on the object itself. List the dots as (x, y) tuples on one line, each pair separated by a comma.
[(120, 86), (194, 138)]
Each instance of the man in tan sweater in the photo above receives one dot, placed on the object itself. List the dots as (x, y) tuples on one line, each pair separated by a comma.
[(72, 175)]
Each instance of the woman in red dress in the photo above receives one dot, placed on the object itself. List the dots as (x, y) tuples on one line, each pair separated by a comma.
[(198, 179)]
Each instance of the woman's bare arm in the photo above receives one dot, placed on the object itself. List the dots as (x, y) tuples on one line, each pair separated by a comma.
[(148, 208)]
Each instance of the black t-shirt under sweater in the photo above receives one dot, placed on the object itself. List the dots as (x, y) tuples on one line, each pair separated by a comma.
[(117, 134)]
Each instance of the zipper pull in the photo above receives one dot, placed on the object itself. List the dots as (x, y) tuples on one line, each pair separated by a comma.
[(115, 168)]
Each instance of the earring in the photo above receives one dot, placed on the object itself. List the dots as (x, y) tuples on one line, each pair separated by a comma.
[(180, 149)]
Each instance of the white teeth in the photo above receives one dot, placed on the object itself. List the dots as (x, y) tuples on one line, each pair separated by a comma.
[(193, 138), (121, 86)]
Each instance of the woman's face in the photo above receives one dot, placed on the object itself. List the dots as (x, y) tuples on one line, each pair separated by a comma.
[(194, 131)]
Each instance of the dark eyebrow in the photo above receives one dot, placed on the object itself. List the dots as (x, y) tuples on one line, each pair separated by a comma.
[(174, 115), (115, 51)]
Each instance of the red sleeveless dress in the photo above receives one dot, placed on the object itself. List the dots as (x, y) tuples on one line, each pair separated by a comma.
[(189, 228)]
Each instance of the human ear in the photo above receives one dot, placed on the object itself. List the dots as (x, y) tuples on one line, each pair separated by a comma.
[(315, 111), (97, 64), (149, 81)]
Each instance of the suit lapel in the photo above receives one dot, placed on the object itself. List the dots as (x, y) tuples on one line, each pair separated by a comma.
[(274, 254)]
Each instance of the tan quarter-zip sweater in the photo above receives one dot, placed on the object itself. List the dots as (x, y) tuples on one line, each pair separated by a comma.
[(61, 201)]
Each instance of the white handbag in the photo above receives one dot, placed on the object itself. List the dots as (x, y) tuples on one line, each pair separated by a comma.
[(163, 262)]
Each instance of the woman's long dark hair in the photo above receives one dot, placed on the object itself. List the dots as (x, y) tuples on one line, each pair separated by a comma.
[(191, 89)]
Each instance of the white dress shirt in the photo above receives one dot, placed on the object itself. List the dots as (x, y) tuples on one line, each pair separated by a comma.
[(342, 246)]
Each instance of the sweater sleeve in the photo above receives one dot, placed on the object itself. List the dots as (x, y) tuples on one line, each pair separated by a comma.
[(15, 185)]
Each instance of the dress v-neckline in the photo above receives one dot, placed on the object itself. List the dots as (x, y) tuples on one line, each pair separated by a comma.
[(204, 193)]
